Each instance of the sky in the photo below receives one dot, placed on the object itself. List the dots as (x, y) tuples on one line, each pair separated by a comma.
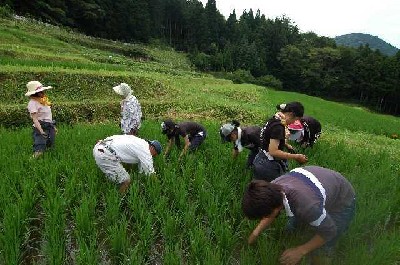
[(328, 18)]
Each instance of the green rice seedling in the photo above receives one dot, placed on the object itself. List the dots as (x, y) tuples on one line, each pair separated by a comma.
[(11, 236), (173, 254), (85, 220), (54, 237), (136, 255), (87, 253), (119, 241)]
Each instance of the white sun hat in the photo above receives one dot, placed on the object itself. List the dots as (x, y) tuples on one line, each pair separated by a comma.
[(123, 89), (35, 87)]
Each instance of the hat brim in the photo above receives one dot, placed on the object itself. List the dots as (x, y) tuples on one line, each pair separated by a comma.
[(37, 91), (117, 89)]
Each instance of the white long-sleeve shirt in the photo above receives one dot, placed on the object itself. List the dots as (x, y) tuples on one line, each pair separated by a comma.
[(132, 150)]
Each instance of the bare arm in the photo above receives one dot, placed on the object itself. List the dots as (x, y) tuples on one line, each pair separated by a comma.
[(235, 153), (262, 225), (293, 255), (169, 146), (36, 122), (275, 152)]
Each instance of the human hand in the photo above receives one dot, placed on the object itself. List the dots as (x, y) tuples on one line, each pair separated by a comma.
[(301, 158), (44, 135), (291, 256), (56, 130)]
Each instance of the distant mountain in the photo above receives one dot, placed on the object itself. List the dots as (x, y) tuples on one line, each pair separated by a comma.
[(357, 39)]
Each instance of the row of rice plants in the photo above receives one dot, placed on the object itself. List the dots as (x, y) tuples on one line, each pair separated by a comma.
[(188, 213)]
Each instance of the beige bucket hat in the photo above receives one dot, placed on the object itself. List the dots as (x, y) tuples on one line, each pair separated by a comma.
[(123, 89), (35, 87)]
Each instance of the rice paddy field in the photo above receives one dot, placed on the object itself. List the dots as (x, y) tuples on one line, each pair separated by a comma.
[(61, 209)]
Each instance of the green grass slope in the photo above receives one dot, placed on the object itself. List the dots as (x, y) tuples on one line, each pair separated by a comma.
[(62, 210)]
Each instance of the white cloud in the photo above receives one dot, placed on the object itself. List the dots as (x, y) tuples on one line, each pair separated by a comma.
[(328, 18)]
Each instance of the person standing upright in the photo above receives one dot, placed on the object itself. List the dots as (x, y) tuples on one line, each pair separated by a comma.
[(39, 107), (131, 111)]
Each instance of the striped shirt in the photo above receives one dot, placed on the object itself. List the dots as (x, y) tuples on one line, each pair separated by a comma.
[(312, 193)]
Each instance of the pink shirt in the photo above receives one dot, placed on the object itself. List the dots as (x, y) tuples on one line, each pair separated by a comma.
[(44, 112)]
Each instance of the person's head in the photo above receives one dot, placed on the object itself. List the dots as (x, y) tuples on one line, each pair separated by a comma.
[(168, 127), (296, 130), (292, 111), (123, 89), (35, 89), (261, 198), (229, 131), (155, 147)]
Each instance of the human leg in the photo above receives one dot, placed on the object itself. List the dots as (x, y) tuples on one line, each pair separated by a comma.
[(196, 141), (39, 143), (111, 167), (251, 156)]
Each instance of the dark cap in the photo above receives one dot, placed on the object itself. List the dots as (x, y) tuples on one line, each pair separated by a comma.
[(296, 107), (167, 125), (157, 146)]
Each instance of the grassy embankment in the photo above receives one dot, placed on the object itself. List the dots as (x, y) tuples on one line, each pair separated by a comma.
[(61, 209)]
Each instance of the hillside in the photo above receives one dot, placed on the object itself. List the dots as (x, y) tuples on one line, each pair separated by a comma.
[(62, 210), (357, 39)]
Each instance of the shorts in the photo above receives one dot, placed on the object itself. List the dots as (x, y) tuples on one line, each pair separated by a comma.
[(109, 164), (197, 140)]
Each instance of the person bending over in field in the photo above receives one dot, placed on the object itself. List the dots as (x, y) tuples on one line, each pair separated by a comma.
[(111, 152), (39, 107), (305, 131), (271, 160), (192, 132), (313, 196), (247, 137), (131, 111)]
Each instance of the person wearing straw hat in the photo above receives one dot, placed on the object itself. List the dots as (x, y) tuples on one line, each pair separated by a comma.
[(111, 153), (131, 111), (305, 131), (39, 108), (247, 137)]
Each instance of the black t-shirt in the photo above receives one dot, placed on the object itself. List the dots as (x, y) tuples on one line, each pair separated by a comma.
[(250, 138), (312, 130), (187, 128), (273, 129)]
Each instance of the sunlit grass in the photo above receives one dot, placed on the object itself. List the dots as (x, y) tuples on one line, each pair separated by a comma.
[(188, 213)]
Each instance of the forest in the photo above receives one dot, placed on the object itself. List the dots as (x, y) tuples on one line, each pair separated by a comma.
[(247, 47)]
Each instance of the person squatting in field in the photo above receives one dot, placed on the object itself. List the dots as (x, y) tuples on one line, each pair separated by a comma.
[(305, 131), (193, 133), (247, 137), (131, 111), (317, 197), (112, 152), (39, 107), (271, 160)]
